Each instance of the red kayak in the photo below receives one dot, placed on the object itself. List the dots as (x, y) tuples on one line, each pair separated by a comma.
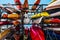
[(4, 23), (19, 6), (25, 6), (55, 20), (8, 22), (36, 33), (35, 5), (26, 31)]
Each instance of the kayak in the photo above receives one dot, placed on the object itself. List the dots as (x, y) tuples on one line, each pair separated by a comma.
[(11, 16), (10, 10), (51, 10), (48, 13), (35, 5), (6, 9), (54, 4), (55, 20), (36, 33), (15, 22), (52, 1), (40, 15), (3, 23), (3, 34), (47, 21), (25, 6), (14, 10), (26, 31), (18, 4)]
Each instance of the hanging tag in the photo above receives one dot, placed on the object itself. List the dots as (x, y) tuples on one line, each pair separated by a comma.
[(26, 19), (38, 20)]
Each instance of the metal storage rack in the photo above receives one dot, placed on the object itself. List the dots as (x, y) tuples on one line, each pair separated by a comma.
[(38, 10)]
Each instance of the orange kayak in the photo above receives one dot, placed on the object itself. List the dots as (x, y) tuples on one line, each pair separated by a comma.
[(11, 16), (16, 22), (47, 21)]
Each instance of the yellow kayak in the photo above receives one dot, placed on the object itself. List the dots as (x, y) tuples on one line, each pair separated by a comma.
[(40, 15), (11, 16), (3, 34)]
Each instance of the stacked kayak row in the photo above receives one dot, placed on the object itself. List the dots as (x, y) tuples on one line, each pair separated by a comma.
[(36, 33), (47, 13), (8, 22), (52, 10), (54, 20)]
